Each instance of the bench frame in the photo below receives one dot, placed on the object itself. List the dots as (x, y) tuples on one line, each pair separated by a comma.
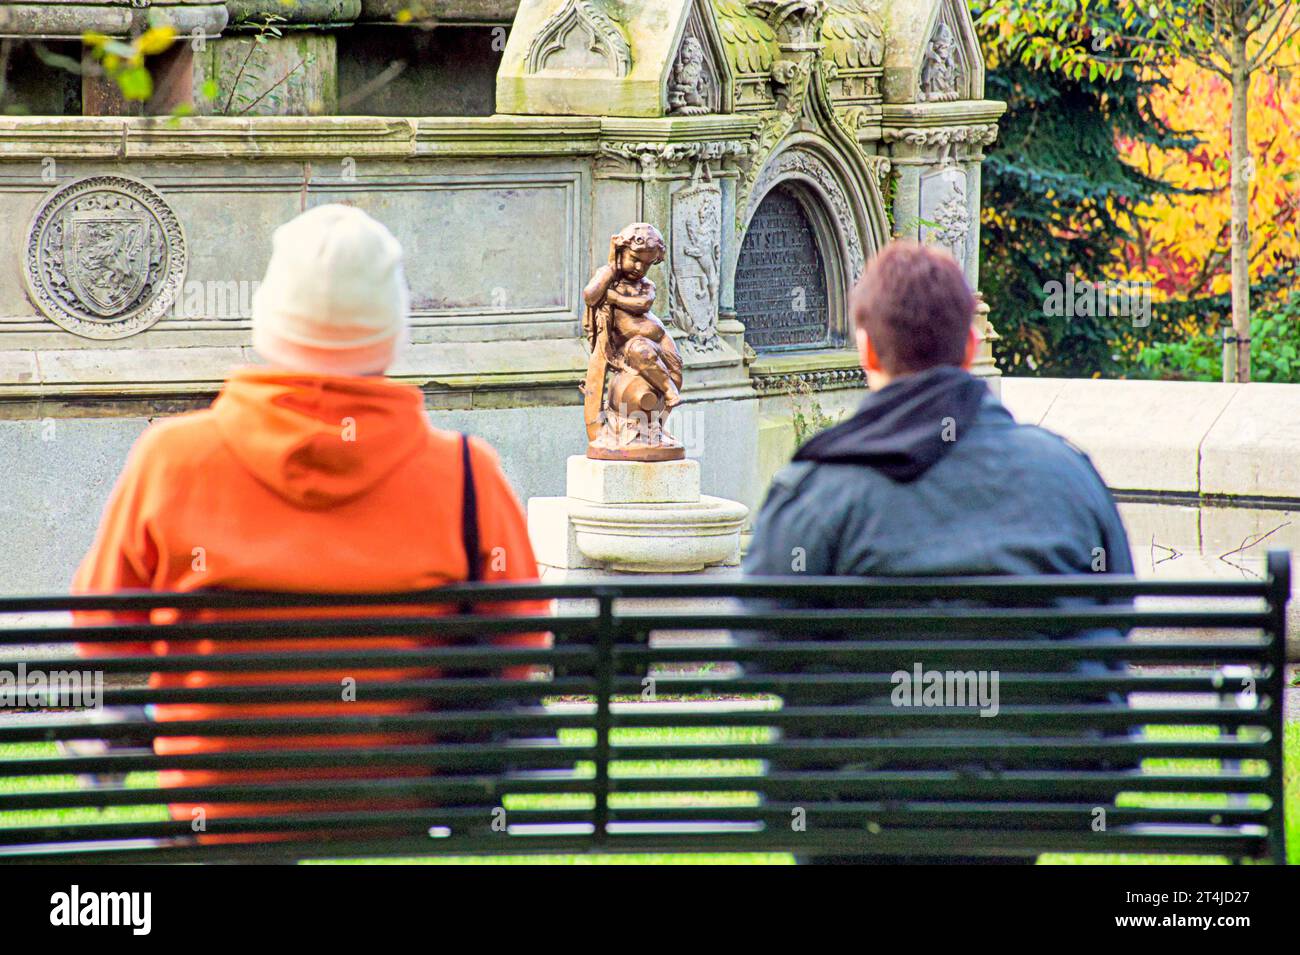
[(930, 803)]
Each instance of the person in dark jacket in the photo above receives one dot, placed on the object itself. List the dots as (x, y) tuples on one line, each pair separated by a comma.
[(932, 476)]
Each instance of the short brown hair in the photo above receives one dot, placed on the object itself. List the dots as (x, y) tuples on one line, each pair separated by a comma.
[(916, 308)]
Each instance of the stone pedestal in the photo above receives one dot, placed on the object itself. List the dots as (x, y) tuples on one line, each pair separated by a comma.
[(623, 517)]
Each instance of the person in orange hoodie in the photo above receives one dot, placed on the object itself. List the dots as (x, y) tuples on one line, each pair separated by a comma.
[(314, 474)]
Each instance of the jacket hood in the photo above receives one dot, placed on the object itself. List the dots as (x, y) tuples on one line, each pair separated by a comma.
[(907, 427), (318, 440)]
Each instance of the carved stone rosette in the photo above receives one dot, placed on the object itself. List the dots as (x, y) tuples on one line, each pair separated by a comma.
[(106, 257)]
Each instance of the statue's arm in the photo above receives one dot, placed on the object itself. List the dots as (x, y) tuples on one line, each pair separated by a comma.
[(636, 304), (598, 287)]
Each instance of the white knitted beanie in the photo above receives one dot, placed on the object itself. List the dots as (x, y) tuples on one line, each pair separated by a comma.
[(334, 299)]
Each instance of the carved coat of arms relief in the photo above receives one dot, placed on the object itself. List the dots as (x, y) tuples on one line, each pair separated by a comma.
[(106, 257), (696, 261)]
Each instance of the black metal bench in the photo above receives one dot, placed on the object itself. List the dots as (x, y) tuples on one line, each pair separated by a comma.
[(690, 741)]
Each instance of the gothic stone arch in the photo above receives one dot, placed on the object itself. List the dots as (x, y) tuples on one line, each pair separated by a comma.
[(806, 176)]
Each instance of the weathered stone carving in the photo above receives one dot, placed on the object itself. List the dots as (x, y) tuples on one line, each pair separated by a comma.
[(688, 87), (788, 73), (941, 74), (853, 54), (749, 44), (803, 75), (805, 381), (944, 140), (944, 203), (581, 36), (106, 257), (650, 156), (696, 261), (881, 168), (852, 35), (634, 378), (983, 135), (695, 84), (792, 78), (796, 22)]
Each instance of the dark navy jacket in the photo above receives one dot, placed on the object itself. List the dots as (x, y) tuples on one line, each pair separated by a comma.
[(994, 497)]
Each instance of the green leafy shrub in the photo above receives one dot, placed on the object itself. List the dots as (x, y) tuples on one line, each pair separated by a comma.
[(1274, 349), (807, 414)]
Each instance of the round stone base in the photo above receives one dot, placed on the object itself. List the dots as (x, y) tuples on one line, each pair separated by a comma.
[(677, 538)]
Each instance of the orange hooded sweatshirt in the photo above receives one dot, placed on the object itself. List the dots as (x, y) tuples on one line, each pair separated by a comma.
[(298, 482)]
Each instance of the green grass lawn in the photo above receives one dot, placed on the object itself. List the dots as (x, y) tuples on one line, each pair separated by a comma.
[(1291, 806), (680, 767)]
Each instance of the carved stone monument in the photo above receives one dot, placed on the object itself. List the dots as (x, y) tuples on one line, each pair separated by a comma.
[(776, 144)]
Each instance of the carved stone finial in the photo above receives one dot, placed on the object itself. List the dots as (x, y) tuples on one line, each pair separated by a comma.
[(634, 378)]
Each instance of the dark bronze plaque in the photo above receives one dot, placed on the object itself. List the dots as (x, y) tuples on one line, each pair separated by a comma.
[(780, 278)]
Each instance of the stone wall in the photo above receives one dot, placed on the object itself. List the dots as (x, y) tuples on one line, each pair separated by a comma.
[(832, 124), (1206, 472), (1202, 439)]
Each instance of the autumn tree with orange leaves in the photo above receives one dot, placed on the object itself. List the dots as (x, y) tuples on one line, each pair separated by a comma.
[(1182, 242), (1237, 40)]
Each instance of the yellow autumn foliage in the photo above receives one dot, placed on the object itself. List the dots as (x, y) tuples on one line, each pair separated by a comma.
[(1182, 241)]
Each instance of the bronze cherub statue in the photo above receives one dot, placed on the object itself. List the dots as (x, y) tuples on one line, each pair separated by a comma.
[(634, 378)]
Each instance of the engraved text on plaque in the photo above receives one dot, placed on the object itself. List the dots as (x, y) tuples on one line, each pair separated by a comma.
[(780, 278)]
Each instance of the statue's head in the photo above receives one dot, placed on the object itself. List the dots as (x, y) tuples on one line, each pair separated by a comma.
[(638, 248), (943, 37)]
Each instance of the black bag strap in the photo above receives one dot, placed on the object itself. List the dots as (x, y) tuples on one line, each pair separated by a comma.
[(469, 515)]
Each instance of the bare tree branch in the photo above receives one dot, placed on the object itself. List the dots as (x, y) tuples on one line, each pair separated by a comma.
[(1278, 38), (274, 86)]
